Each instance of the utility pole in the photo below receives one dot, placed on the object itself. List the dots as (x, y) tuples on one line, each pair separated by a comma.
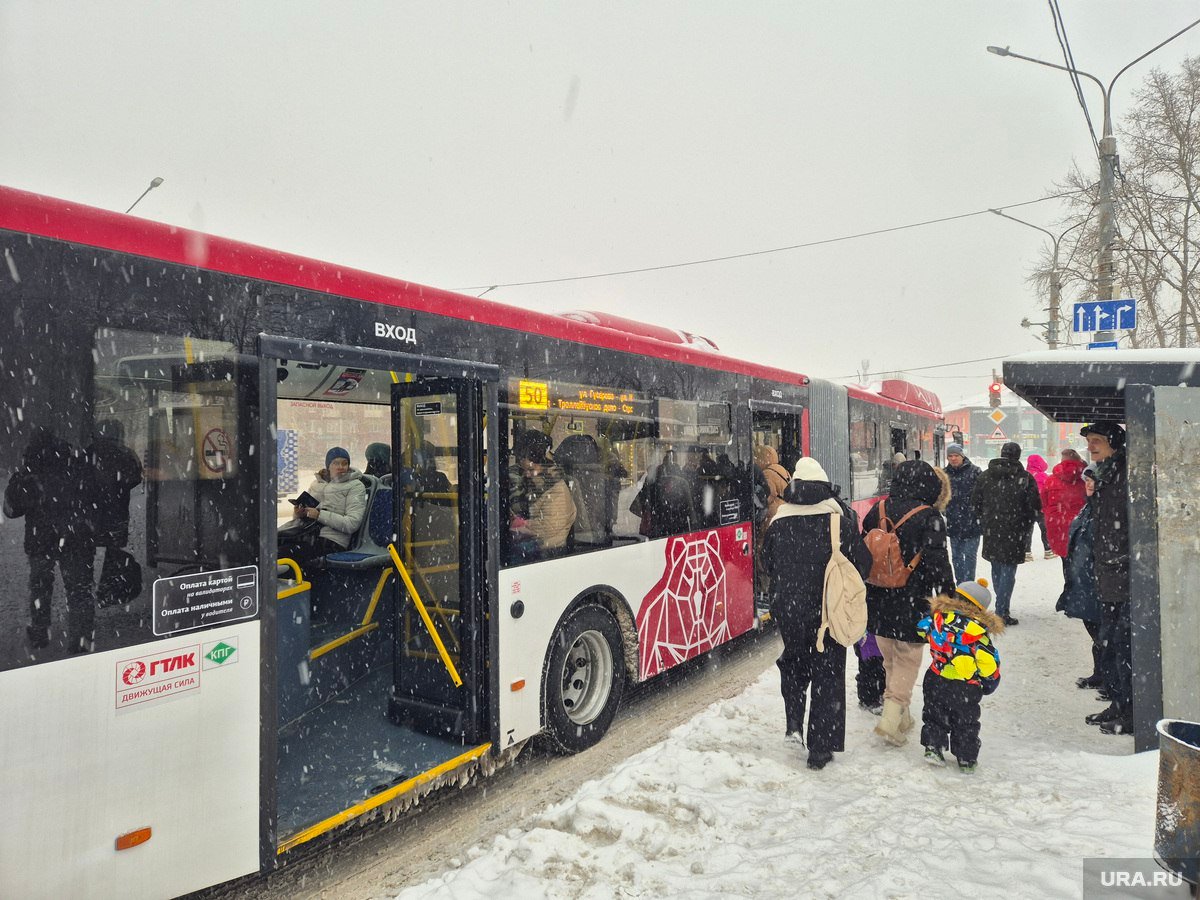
[(1108, 167)]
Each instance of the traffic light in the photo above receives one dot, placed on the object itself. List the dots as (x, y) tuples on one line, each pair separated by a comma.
[(994, 394)]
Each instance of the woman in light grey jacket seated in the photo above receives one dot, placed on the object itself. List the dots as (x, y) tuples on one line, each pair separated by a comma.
[(317, 531)]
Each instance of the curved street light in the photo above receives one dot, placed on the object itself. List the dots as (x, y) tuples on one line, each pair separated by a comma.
[(154, 182), (1108, 159), (1055, 278)]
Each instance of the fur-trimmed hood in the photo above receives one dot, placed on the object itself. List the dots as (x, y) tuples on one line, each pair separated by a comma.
[(915, 480), (963, 607), (943, 499)]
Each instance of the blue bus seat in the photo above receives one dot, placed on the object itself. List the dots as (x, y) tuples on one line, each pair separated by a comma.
[(369, 551)]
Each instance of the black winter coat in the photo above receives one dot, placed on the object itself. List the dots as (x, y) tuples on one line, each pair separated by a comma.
[(1079, 599), (895, 612), (797, 549), (118, 471), (1112, 529), (1007, 502), (961, 521), (55, 490)]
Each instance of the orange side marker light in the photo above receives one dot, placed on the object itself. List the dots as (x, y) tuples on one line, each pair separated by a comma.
[(517, 685), (133, 838)]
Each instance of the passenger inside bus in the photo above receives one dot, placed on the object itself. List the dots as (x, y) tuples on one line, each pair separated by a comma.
[(341, 502), (424, 475), (542, 510), (665, 501), (579, 457), (379, 460)]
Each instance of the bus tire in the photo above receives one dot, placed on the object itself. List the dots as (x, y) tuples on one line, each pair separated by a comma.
[(585, 677)]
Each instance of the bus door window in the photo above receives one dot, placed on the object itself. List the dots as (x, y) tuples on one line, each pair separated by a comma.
[(866, 463), (438, 440)]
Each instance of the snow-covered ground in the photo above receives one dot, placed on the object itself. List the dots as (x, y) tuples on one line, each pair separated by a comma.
[(723, 807)]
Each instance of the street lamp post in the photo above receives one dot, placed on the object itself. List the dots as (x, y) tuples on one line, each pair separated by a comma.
[(1108, 165), (154, 182), (1055, 309)]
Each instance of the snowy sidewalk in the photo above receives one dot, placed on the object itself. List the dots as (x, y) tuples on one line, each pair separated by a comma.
[(723, 808)]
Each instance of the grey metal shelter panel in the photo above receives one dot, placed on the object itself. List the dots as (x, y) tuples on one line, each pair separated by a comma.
[(830, 419), (1084, 387), (1170, 517), (1154, 392)]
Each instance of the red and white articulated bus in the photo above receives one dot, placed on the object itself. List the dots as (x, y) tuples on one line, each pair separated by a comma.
[(178, 706)]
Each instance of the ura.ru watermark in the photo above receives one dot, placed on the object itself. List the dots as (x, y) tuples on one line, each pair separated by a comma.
[(1132, 878)]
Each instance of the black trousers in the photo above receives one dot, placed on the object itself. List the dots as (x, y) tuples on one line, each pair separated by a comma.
[(1117, 658), (870, 679), (950, 716), (306, 548), (1094, 632), (75, 565), (804, 671)]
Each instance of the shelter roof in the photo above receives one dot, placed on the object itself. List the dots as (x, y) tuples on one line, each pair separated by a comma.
[(1083, 386)]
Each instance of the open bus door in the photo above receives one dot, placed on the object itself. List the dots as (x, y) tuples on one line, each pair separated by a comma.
[(438, 477), (370, 706), (780, 427)]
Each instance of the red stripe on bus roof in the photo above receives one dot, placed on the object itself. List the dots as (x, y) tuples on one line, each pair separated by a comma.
[(76, 223), (862, 393)]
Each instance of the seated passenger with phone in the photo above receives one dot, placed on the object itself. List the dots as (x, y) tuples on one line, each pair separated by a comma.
[(326, 516)]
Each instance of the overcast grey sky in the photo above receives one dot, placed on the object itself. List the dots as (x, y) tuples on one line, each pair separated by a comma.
[(462, 144)]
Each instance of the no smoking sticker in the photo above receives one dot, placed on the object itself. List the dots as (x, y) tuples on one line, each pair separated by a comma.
[(216, 450)]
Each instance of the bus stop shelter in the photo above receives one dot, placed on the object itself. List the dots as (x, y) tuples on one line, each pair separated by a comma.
[(1156, 394)]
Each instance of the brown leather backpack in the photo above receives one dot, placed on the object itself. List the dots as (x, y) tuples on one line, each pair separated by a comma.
[(888, 568)]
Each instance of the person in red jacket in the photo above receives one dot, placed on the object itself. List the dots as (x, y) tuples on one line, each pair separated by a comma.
[(1062, 497), (1035, 465)]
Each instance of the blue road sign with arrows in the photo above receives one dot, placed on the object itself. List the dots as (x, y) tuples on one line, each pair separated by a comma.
[(1105, 315)]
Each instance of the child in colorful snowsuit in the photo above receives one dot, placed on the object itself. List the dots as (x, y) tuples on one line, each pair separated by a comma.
[(964, 666)]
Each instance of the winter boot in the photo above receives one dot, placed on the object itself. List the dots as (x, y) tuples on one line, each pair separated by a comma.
[(934, 756), (889, 724), (819, 759), (1108, 714), (967, 767), (794, 739), (906, 720)]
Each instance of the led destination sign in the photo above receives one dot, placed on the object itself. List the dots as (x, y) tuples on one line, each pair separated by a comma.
[(575, 398)]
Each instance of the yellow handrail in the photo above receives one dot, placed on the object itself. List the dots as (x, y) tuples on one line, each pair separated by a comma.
[(300, 586), (437, 641)]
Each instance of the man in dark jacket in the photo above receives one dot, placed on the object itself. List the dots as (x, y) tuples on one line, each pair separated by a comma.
[(1106, 446), (796, 549), (118, 471), (962, 525), (1007, 502), (54, 488)]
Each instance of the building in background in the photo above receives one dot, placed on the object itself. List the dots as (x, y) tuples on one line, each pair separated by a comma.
[(983, 429)]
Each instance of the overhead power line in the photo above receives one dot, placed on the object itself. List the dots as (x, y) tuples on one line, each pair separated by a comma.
[(1060, 31), (713, 259), (963, 362)]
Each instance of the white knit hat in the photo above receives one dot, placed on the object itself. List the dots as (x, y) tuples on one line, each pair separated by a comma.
[(808, 469)]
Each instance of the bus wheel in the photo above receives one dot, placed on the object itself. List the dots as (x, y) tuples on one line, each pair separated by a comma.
[(585, 676)]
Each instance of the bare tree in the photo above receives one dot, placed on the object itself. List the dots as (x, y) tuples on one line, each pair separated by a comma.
[(1157, 256)]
